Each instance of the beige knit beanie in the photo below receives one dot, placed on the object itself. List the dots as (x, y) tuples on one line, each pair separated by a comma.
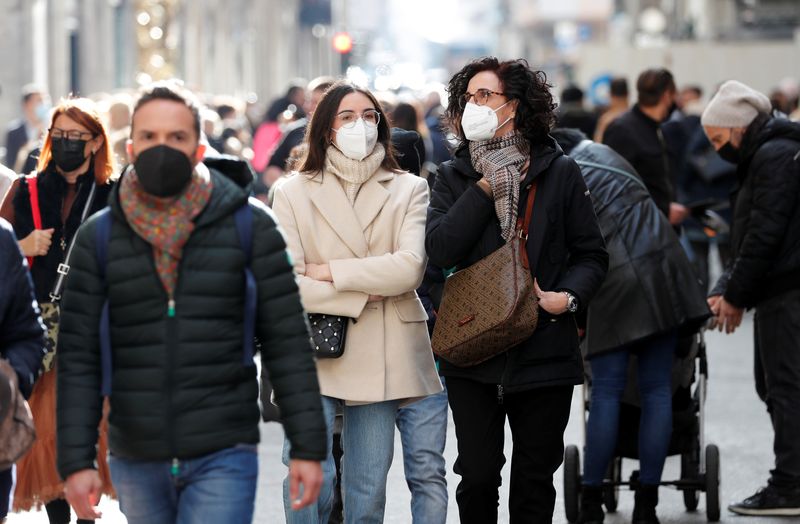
[(735, 105)]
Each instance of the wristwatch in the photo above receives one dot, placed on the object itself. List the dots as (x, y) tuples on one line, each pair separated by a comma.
[(572, 302)]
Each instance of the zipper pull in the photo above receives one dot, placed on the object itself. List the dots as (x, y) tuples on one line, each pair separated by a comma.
[(499, 393), (176, 467), (171, 308)]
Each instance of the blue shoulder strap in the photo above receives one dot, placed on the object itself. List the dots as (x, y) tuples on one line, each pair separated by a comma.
[(244, 227), (102, 240)]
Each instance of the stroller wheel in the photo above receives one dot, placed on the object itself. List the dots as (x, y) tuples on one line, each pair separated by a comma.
[(611, 493), (690, 471), (712, 483), (572, 482)]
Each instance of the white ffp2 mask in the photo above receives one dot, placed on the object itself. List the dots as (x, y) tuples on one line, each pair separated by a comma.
[(358, 141), (480, 122)]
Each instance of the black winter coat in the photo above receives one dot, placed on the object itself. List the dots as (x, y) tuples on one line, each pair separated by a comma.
[(180, 388), (651, 288), (565, 247), (21, 330), (765, 236), (639, 139), (52, 188)]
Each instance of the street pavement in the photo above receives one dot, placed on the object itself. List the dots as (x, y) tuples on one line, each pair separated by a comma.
[(736, 421)]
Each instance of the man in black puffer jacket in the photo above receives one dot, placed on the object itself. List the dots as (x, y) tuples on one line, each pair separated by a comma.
[(183, 425), (765, 270)]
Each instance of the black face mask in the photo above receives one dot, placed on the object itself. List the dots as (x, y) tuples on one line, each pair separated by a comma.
[(68, 154), (163, 171), (729, 153)]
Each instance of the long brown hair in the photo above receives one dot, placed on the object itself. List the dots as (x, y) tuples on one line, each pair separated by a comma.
[(83, 112), (317, 135)]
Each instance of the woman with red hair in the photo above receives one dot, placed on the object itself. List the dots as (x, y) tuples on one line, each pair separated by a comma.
[(72, 181)]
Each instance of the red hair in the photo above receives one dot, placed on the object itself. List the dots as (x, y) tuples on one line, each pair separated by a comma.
[(83, 112)]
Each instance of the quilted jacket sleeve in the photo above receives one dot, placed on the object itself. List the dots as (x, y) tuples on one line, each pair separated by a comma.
[(286, 350)]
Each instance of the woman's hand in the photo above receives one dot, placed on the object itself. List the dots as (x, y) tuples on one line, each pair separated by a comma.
[(726, 315), (320, 272), (375, 298), (37, 243), (553, 302), (486, 187)]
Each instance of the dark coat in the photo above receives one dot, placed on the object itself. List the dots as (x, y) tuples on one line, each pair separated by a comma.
[(651, 288), (52, 188), (639, 139), (765, 236), (565, 247), (179, 386), (21, 330), (16, 138)]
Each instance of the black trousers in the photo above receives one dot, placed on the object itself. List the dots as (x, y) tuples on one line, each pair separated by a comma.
[(777, 374), (538, 418)]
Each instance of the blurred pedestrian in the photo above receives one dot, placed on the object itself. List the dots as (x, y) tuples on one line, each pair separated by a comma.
[(649, 299), (173, 352), (764, 272), (23, 135), (73, 181), (502, 113), (637, 136), (294, 132), (573, 114), (21, 333), (618, 105), (355, 227)]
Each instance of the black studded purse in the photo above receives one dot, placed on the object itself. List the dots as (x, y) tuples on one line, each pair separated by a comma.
[(328, 334)]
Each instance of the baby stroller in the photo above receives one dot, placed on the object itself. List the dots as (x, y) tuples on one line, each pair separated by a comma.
[(699, 461)]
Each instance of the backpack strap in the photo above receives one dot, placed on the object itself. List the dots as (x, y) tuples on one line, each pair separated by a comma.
[(33, 192), (102, 240), (244, 228)]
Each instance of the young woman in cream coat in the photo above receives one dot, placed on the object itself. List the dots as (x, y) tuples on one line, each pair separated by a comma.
[(355, 226)]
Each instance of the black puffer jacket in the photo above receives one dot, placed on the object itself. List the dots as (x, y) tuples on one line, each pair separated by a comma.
[(651, 288), (21, 330), (766, 219), (52, 188), (565, 248), (179, 385)]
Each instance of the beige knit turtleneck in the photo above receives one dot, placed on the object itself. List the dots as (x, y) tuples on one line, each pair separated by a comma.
[(353, 173)]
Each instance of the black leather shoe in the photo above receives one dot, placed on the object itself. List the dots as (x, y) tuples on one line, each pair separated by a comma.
[(770, 501), (591, 505), (644, 506)]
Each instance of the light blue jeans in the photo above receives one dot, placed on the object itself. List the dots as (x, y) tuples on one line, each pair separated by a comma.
[(423, 431), (219, 487), (368, 445)]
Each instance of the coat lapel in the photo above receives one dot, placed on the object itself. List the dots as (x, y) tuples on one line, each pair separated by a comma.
[(371, 198), (331, 201)]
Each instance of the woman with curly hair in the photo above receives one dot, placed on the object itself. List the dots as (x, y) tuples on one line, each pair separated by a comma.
[(72, 181), (502, 113)]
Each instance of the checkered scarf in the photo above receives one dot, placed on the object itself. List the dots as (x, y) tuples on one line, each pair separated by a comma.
[(500, 160)]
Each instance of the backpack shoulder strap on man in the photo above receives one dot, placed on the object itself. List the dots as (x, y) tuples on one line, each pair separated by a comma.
[(102, 240), (244, 228)]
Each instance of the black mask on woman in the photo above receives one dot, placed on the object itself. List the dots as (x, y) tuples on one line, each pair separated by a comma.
[(163, 171), (68, 154), (729, 153)]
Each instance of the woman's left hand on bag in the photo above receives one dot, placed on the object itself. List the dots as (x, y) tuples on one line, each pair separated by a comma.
[(321, 272), (553, 302)]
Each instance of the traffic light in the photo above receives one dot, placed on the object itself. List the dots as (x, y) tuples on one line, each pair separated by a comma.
[(342, 43)]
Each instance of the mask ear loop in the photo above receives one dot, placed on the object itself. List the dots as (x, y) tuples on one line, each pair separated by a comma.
[(507, 120)]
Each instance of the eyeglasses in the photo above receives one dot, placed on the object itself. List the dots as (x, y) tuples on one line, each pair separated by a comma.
[(348, 119), (73, 134), (481, 96)]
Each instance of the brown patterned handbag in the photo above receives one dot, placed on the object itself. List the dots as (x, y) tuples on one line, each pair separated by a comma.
[(489, 307)]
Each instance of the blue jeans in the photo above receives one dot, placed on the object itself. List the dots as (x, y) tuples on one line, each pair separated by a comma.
[(423, 431), (609, 375), (219, 487), (368, 445), (6, 490)]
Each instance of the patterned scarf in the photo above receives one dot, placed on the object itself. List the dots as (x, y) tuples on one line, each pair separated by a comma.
[(501, 160), (353, 173), (165, 223)]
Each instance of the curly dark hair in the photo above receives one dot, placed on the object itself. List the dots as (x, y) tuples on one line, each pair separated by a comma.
[(535, 114)]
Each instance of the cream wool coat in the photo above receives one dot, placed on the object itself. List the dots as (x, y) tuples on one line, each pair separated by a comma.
[(375, 247)]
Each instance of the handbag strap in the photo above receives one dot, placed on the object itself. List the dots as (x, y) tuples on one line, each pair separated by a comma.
[(523, 225), (33, 192), (63, 268)]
